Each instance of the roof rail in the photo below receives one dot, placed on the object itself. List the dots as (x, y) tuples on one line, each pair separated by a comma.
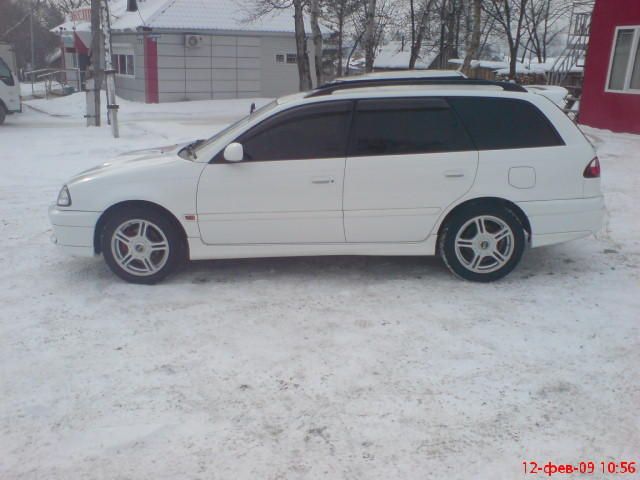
[(329, 88)]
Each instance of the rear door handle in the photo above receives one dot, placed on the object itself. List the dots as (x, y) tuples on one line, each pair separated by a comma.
[(454, 174), (322, 180)]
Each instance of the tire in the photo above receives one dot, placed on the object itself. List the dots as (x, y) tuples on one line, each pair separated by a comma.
[(3, 114), (482, 243), (141, 245)]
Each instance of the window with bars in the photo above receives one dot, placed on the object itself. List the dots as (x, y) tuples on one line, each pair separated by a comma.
[(624, 72)]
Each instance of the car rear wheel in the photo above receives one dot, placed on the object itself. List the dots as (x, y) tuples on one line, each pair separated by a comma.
[(483, 244), (3, 114), (141, 246)]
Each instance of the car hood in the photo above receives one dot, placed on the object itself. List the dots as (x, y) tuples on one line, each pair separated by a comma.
[(133, 160)]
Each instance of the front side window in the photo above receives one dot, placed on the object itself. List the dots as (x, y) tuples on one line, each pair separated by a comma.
[(624, 74), (406, 126), (505, 123), (309, 132)]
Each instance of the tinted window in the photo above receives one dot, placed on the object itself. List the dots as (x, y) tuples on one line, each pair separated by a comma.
[(313, 131), (502, 123), (405, 126)]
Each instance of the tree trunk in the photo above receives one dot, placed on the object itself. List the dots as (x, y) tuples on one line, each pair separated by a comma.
[(413, 36), (474, 47), (340, 39), (513, 61), (304, 71), (317, 41), (353, 49), (416, 45), (369, 37)]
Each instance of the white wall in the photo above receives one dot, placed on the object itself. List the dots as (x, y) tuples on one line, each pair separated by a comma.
[(221, 67)]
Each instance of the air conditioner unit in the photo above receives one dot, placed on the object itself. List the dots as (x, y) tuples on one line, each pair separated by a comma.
[(192, 41)]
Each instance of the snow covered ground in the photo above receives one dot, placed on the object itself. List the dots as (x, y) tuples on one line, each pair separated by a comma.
[(372, 368)]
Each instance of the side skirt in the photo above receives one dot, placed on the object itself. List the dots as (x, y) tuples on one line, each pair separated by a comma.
[(200, 251)]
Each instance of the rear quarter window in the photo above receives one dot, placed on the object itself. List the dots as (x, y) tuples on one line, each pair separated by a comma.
[(505, 123)]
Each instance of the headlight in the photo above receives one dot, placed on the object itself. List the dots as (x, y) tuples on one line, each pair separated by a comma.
[(64, 198)]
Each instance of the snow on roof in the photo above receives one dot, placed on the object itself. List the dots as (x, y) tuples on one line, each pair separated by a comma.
[(71, 26), (200, 15), (393, 56), (490, 64), (193, 15), (502, 68)]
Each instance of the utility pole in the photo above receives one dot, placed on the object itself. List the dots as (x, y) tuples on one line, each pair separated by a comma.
[(110, 73), (94, 87)]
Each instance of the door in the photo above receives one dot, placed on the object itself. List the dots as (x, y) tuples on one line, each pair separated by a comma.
[(288, 188), (408, 160)]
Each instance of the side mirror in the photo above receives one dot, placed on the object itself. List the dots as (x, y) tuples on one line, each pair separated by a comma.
[(234, 152)]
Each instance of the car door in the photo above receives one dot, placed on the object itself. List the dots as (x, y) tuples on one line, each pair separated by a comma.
[(288, 188), (409, 158)]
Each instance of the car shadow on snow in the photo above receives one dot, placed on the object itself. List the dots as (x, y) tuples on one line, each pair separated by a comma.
[(560, 261)]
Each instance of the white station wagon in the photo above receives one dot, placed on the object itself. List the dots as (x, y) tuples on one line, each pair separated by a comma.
[(472, 171)]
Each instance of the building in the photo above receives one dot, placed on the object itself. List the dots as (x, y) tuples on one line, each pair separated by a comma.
[(611, 91), (396, 56), (174, 50)]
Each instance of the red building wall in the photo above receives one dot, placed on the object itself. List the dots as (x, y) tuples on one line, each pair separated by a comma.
[(619, 112)]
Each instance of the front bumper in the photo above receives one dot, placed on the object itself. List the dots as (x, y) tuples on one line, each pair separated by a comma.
[(74, 230)]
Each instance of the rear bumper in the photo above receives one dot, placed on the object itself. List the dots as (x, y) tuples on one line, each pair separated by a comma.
[(74, 230), (557, 221)]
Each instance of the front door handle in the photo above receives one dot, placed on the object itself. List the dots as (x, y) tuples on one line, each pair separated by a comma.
[(454, 174), (322, 180)]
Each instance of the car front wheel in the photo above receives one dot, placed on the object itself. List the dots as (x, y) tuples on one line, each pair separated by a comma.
[(140, 246), (483, 244), (3, 114)]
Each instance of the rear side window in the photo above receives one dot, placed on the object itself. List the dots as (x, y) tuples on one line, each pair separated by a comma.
[(406, 126), (504, 123), (312, 131)]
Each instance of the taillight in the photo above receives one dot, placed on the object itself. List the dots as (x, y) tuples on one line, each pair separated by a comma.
[(593, 169)]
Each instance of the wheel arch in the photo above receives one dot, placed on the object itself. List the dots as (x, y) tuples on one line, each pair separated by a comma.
[(488, 201), (140, 204)]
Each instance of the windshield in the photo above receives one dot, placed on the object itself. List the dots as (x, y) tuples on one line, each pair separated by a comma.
[(5, 72), (243, 121)]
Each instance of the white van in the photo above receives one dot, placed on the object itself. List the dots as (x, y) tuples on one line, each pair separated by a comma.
[(9, 91)]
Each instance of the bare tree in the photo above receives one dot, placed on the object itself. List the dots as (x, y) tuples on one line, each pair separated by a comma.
[(542, 19), (68, 6), (304, 71), (510, 16), (418, 29), (474, 46), (337, 13), (317, 40), (266, 7), (369, 35)]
